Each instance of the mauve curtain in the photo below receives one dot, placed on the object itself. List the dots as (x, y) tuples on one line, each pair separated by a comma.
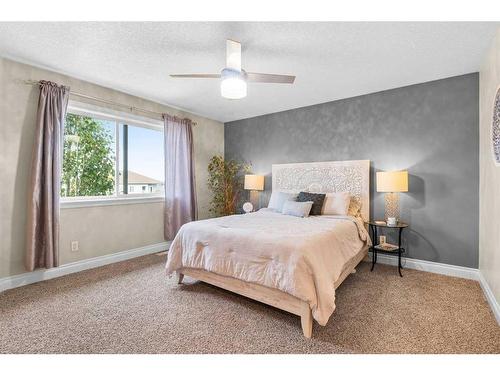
[(180, 194), (43, 202)]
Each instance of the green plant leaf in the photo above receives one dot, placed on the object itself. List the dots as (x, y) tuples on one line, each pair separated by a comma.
[(225, 181)]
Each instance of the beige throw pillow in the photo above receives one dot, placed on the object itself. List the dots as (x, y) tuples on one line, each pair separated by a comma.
[(337, 203)]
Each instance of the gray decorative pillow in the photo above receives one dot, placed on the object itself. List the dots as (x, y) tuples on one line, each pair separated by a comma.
[(299, 209), (278, 199), (317, 200)]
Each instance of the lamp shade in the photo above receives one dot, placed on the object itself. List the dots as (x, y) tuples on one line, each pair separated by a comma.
[(392, 182), (254, 182)]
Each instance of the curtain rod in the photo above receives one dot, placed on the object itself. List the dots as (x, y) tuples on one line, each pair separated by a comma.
[(130, 108)]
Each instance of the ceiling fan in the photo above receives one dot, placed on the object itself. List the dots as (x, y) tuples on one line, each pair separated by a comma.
[(233, 78)]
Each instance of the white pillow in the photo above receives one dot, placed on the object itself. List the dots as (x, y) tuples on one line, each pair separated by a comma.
[(300, 209), (337, 203), (278, 198)]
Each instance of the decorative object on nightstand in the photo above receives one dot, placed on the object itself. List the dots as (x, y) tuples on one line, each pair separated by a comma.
[(392, 183), (384, 247), (254, 183), (247, 207)]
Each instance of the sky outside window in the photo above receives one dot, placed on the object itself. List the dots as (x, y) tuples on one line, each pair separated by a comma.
[(145, 152)]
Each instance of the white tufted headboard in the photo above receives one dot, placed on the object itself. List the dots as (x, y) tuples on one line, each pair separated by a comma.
[(327, 177)]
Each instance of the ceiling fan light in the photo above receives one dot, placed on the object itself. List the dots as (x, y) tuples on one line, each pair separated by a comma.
[(233, 84), (233, 88)]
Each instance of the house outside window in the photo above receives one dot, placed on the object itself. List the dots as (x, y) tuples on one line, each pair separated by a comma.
[(140, 184)]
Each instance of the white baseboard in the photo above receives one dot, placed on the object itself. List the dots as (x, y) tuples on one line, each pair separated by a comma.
[(488, 293), (448, 270), (65, 269), (433, 267)]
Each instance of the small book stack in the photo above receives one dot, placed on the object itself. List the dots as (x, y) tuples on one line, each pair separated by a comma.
[(386, 247)]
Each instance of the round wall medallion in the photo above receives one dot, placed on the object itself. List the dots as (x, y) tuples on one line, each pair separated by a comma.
[(495, 129)]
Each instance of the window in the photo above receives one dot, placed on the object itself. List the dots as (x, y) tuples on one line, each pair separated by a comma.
[(110, 157), (141, 161)]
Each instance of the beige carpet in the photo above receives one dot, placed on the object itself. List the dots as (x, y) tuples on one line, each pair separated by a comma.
[(131, 307)]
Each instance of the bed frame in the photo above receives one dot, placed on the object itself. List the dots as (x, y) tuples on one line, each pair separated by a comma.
[(352, 176)]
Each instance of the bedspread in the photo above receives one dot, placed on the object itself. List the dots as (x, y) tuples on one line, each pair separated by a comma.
[(300, 256)]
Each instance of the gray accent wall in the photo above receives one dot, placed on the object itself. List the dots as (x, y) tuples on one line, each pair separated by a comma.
[(430, 129)]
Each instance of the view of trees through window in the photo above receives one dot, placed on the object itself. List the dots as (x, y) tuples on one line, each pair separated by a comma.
[(109, 158), (88, 157)]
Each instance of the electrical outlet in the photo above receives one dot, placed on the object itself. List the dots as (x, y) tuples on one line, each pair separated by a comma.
[(74, 246)]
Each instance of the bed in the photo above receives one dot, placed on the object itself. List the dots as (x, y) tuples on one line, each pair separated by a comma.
[(294, 264)]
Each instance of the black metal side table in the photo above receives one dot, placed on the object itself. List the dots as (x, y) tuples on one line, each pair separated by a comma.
[(375, 240)]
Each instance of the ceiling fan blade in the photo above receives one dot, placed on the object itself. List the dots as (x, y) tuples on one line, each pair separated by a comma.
[(233, 55), (195, 75), (269, 78)]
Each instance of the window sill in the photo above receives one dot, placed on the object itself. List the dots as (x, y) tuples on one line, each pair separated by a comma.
[(110, 201)]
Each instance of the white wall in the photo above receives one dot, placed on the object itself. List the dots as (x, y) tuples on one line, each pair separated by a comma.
[(489, 179), (100, 230), (105, 230)]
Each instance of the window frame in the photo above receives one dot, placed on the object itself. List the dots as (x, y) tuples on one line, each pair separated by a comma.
[(83, 109)]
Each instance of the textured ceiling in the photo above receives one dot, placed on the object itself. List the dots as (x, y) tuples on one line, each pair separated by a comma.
[(331, 60)]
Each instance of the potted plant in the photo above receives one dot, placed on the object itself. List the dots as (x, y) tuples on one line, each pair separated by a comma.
[(225, 181)]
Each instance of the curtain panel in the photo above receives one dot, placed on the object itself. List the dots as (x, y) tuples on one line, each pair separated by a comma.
[(180, 192), (42, 242)]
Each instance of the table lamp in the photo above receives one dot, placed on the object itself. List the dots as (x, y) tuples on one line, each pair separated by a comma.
[(392, 183), (254, 183)]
